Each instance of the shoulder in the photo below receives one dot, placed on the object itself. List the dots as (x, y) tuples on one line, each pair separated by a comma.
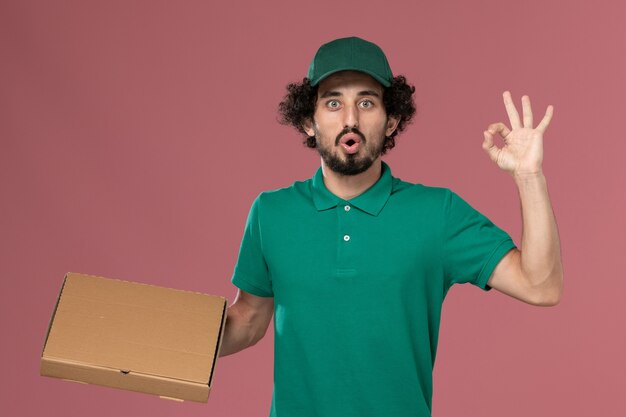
[(416, 192), (294, 195)]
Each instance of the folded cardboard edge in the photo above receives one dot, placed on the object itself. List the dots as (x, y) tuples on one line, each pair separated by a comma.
[(138, 283), (54, 313), (131, 381), (219, 340)]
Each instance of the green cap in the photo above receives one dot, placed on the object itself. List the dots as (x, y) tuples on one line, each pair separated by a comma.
[(354, 54)]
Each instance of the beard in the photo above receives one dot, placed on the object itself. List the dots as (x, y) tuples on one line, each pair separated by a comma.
[(352, 164)]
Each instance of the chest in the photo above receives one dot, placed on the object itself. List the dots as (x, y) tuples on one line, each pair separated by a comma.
[(325, 254)]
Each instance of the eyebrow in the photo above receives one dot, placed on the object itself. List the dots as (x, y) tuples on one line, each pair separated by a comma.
[(333, 93)]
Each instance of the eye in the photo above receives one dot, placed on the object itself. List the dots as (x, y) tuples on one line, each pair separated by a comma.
[(366, 104), (332, 104)]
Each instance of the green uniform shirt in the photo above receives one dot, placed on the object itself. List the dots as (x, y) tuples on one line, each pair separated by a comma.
[(358, 288)]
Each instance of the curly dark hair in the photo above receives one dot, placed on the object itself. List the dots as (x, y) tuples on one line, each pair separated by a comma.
[(298, 106)]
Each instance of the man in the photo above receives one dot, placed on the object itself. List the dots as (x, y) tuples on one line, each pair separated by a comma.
[(355, 264)]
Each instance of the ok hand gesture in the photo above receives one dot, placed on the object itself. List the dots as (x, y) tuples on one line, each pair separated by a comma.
[(522, 152)]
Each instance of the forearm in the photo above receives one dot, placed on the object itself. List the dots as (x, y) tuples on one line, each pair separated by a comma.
[(541, 249), (238, 333)]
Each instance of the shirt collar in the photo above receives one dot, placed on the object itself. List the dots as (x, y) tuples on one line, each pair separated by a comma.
[(371, 201)]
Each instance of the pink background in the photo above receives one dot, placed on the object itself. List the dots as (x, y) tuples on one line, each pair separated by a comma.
[(135, 135)]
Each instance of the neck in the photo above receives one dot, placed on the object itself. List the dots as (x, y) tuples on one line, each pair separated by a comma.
[(350, 186)]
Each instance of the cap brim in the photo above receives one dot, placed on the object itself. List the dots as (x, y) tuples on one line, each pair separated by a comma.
[(383, 81)]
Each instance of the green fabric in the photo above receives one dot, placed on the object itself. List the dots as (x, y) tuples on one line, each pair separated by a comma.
[(356, 321), (350, 54)]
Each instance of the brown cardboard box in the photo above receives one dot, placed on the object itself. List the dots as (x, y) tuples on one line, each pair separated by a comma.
[(134, 336)]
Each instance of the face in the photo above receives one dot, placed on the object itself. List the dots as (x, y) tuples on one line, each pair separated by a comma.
[(350, 122)]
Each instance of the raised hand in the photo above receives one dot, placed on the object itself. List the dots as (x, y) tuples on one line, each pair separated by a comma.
[(522, 153)]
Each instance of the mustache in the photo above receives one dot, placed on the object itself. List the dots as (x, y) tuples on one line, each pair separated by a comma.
[(347, 130)]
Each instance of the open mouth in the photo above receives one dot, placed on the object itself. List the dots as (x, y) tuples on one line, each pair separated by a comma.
[(350, 142)]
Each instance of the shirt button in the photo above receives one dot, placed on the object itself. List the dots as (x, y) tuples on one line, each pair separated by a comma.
[(346, 237), (346, 207)]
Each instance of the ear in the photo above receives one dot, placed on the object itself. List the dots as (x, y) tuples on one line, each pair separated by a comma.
[(392, 124), (308, 127)]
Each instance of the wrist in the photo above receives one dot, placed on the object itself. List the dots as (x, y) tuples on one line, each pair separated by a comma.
[(528, 175)]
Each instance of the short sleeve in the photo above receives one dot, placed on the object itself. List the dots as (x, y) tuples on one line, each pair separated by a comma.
[(251, 273), (473, 245)]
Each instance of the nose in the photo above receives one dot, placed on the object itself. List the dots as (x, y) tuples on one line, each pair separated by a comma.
[(351, 116)]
